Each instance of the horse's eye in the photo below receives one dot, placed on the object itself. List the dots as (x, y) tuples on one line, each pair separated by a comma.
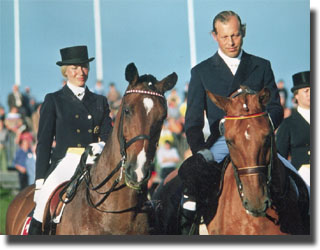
[(127, 111), (229, 142)]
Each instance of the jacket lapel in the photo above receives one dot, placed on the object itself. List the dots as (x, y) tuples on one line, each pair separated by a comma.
[(246, 67), (68, 94), (221, 73), (84, 103)]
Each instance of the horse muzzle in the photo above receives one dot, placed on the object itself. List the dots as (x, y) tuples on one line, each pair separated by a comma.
[(135, 176)]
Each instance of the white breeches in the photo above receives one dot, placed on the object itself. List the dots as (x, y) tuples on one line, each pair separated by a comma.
[(63, 172)]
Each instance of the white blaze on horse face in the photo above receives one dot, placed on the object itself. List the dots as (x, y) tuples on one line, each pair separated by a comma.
[(148, 104), (141, 160), (246, 133)]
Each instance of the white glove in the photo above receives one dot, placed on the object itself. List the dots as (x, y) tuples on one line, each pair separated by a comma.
[(96, 149), (207, 154), (39, 184)]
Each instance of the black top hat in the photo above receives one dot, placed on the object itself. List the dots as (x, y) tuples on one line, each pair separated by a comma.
[(301, 80), (74, 55)]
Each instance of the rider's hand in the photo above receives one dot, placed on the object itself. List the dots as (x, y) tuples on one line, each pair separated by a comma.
[(96, 149), (39, 184)]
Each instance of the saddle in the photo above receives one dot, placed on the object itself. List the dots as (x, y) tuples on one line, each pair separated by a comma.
[(54, 209), (64, 194)]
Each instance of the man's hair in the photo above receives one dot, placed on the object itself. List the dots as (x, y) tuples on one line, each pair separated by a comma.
[(224, 17)]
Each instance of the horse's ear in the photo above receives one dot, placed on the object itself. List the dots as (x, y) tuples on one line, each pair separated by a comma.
[(167, 83), (220, 101), (132, 74), (264, 96)]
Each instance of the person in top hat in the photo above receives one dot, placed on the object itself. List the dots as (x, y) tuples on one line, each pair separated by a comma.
[(293, 135), (72, 117)]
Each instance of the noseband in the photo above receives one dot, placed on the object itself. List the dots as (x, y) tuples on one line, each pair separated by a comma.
[(251, 170)]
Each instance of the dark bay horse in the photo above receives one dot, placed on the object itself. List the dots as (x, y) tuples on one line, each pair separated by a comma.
[(258, 195), (112, 197)]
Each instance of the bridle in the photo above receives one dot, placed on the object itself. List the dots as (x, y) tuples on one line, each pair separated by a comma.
[(124, 145), (251, 170)]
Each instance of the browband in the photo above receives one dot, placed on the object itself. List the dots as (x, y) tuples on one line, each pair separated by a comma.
[(131, 91)]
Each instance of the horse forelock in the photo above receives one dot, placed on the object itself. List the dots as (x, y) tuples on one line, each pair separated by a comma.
[(244, 103), (149, 81)]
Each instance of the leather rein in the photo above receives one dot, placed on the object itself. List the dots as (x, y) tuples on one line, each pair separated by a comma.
[(124, 145)]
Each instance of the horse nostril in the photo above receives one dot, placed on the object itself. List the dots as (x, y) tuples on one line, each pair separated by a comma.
[(131, 173), (245, 203), (267, 203)]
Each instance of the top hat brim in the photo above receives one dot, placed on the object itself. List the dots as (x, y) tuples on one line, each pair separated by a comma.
[(306, 85), (74, 61)]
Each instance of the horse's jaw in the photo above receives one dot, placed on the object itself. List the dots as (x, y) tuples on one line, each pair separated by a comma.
[(256, 214)]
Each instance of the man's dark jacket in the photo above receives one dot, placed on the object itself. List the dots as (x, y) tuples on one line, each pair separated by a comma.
[(293, 138), (72, 123), (213, 74)]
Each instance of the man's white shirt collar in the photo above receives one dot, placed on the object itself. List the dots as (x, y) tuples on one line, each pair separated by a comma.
[(77, 91), (233, 63), (305, 113)]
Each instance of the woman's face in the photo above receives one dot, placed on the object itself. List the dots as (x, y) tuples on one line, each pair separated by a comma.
[(77, 74)]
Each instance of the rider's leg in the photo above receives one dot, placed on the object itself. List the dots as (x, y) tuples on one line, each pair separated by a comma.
[(63, 172), (188, 202)]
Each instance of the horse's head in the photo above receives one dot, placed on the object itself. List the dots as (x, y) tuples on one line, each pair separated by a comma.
[(249, 134), (142, 113)]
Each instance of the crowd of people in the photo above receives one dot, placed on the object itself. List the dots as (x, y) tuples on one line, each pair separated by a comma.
[(18, 129)]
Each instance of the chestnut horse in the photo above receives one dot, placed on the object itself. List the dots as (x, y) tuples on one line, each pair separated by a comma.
[(112, 196), (258, 195)]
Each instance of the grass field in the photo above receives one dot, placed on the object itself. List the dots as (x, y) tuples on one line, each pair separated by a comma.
[(6, 197)]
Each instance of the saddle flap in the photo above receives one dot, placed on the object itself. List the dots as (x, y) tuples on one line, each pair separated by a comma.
[(54, 204)]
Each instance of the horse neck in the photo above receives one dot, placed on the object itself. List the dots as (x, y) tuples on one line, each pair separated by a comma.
[(109, 160)]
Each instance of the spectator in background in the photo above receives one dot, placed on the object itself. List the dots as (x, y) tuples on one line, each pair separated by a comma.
[(20, 160), (15, 98), (4, 134), (114, 99), (30, 101), (2, 113), (293, 135), (173, 96), (283, 93), (31, 165), (167, 158), (173, 108), (15, 125), (35, 120), (99, 88)]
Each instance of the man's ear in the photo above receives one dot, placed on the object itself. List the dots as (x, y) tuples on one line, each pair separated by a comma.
[(214, 35)]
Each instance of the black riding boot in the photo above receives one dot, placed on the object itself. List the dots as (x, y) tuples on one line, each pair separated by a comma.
[(187, 214), (35, 227)]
